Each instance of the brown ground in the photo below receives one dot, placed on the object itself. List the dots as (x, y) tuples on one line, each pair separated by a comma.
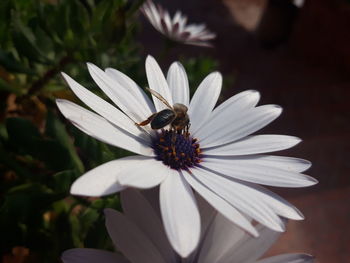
[(299, 59)]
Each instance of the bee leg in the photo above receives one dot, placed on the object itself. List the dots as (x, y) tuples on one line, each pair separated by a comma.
[(173, 140), (145, 122), (186, 130)]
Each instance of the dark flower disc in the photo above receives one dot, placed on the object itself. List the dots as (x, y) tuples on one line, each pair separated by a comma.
[(177, 150)]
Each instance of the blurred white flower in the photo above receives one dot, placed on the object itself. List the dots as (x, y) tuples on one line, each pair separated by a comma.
[(176, 28), (140, 236), (299, 3), (219, 159)]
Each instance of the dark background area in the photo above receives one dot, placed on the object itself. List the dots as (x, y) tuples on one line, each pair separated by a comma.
[(298, 58)]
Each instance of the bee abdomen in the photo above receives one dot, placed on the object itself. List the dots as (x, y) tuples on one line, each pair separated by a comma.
[(162, 119)]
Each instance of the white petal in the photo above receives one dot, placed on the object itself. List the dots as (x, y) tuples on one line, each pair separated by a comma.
[(144, 174), (149, 15), (255, 144), (89, 255), (177, 17), (249, 249), (130, 86), (220, 238), (156, 16), (240, 196), (99, 128), (178, 84), (167, 20), (289, 258), (140, 211), (102, 180), (157, 82), (247, 170), (204, 100), (219, 203), (279, 205), (239, 126), (286, 163), (180, 214), (195, 29), (239, 102), (130, 240), (123, 99), (102, 107), (182, 23), (281, 162)]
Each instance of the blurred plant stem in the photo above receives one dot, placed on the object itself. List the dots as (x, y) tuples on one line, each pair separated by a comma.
[(51, 73)]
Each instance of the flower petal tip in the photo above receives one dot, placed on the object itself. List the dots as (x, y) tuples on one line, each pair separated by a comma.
[(312, 181)]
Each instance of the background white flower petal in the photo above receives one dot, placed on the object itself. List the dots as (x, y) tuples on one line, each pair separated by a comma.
[(130, 240), (99, 128), (220, 204), (140, 211), (221, 237), (176, 28), (180, 214), (254, 144), (204, 100), (233, 128), (144, 173), (249, 249), (157, 82), (178, 84), (89, 255), (257, 173), (289, 258), (206, 211)]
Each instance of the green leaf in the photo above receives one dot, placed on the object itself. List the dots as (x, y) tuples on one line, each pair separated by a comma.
[(22, 201), (11, 64), (25, 137), (63, 180), (25, 41), (56, 129)]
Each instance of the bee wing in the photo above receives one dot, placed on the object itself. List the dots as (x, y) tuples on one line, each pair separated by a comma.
[(160, 97)]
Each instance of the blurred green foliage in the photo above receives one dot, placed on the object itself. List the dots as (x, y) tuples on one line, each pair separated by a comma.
[(41, 154)]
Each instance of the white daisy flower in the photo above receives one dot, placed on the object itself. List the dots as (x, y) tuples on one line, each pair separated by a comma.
[(176, 28), (140, 237), (219, 158)]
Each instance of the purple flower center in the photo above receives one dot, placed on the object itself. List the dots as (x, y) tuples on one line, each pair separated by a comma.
[(179, 151)]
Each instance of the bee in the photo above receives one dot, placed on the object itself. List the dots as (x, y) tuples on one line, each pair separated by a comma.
[(175, 115)]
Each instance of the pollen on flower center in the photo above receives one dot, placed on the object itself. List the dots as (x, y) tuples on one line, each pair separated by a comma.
[(176, 150)]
